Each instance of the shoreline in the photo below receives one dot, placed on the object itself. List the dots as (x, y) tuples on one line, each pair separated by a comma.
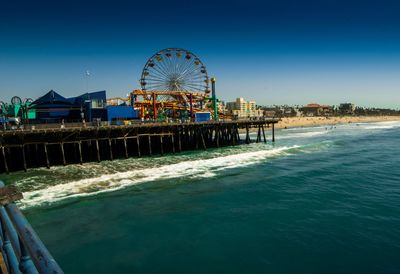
[(292, 122)]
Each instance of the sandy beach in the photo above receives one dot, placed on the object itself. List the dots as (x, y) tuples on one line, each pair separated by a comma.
[(315, 121)]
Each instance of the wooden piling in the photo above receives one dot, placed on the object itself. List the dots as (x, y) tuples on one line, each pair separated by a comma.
[(138, 145), (173, 143), (233, 135), (80, 152), (110, 147), (23, 158), (196, 136), (273, 132), (202, 140), (149, 144), (263, 132), (161, 145), (217, 136), (90, 149), (247, 135), (126, 148), (47, 156), (97, 150), (37, 154), (179, 140), (62, 153), (4, 159)]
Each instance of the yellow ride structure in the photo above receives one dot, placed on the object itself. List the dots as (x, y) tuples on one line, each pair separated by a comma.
[(174, 102)]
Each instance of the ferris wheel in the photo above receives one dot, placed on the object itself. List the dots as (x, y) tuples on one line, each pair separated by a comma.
[(175, 69)]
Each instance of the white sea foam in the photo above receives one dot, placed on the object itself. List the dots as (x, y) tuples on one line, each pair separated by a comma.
[(382, 125), (112, 182), (307, 134), (316, 131)]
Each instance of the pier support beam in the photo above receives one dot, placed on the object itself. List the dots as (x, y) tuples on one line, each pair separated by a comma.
[(47, 156), (37, 154), (126, 149), (150, 145), (97, 150), (80, 152), (173, 143), (196, 136), (237, 133), (138, 145), (217, 136), (23, 157), (202, 139), (263, 132), (179, 140), (111, 152), (273, 132), (63, 154), (4, 160), (161, 145), (247, 135)]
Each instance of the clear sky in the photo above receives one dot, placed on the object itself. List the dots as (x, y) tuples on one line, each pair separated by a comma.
[(276, 52)]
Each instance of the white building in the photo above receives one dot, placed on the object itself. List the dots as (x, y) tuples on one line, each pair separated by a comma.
[(243, 109)]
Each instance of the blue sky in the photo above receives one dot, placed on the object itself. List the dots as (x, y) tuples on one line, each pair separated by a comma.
[(277, 52)]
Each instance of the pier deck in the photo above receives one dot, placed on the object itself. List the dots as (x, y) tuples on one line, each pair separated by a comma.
[(45, 147)]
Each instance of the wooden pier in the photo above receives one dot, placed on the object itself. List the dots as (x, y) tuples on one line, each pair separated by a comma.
[(24, 149)]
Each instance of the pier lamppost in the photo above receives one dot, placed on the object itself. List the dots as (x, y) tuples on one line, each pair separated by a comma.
[(214, 98)]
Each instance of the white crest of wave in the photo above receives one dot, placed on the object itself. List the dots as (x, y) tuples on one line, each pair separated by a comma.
[(304, 134), (382, 125), (112, 182)]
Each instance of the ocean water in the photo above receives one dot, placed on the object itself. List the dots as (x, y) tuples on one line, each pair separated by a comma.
[(319, 200)]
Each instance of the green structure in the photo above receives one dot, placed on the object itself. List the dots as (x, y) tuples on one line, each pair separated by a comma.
[(18, 109), (214, 99)]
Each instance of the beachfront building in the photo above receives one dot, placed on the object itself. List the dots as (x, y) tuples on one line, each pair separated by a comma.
[(313, 109), (243, 109), (92, 106), (347, 109)]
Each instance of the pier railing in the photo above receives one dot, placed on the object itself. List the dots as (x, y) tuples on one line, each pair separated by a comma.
[(21, 250)]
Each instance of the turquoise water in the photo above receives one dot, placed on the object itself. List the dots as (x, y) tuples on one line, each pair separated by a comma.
[(321, 200)]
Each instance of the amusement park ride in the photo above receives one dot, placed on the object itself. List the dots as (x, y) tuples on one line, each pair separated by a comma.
[(17, 108), (175, 84)]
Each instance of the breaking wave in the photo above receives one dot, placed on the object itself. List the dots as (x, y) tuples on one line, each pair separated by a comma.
[(382, 125), (304, 134), (111, 182)]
